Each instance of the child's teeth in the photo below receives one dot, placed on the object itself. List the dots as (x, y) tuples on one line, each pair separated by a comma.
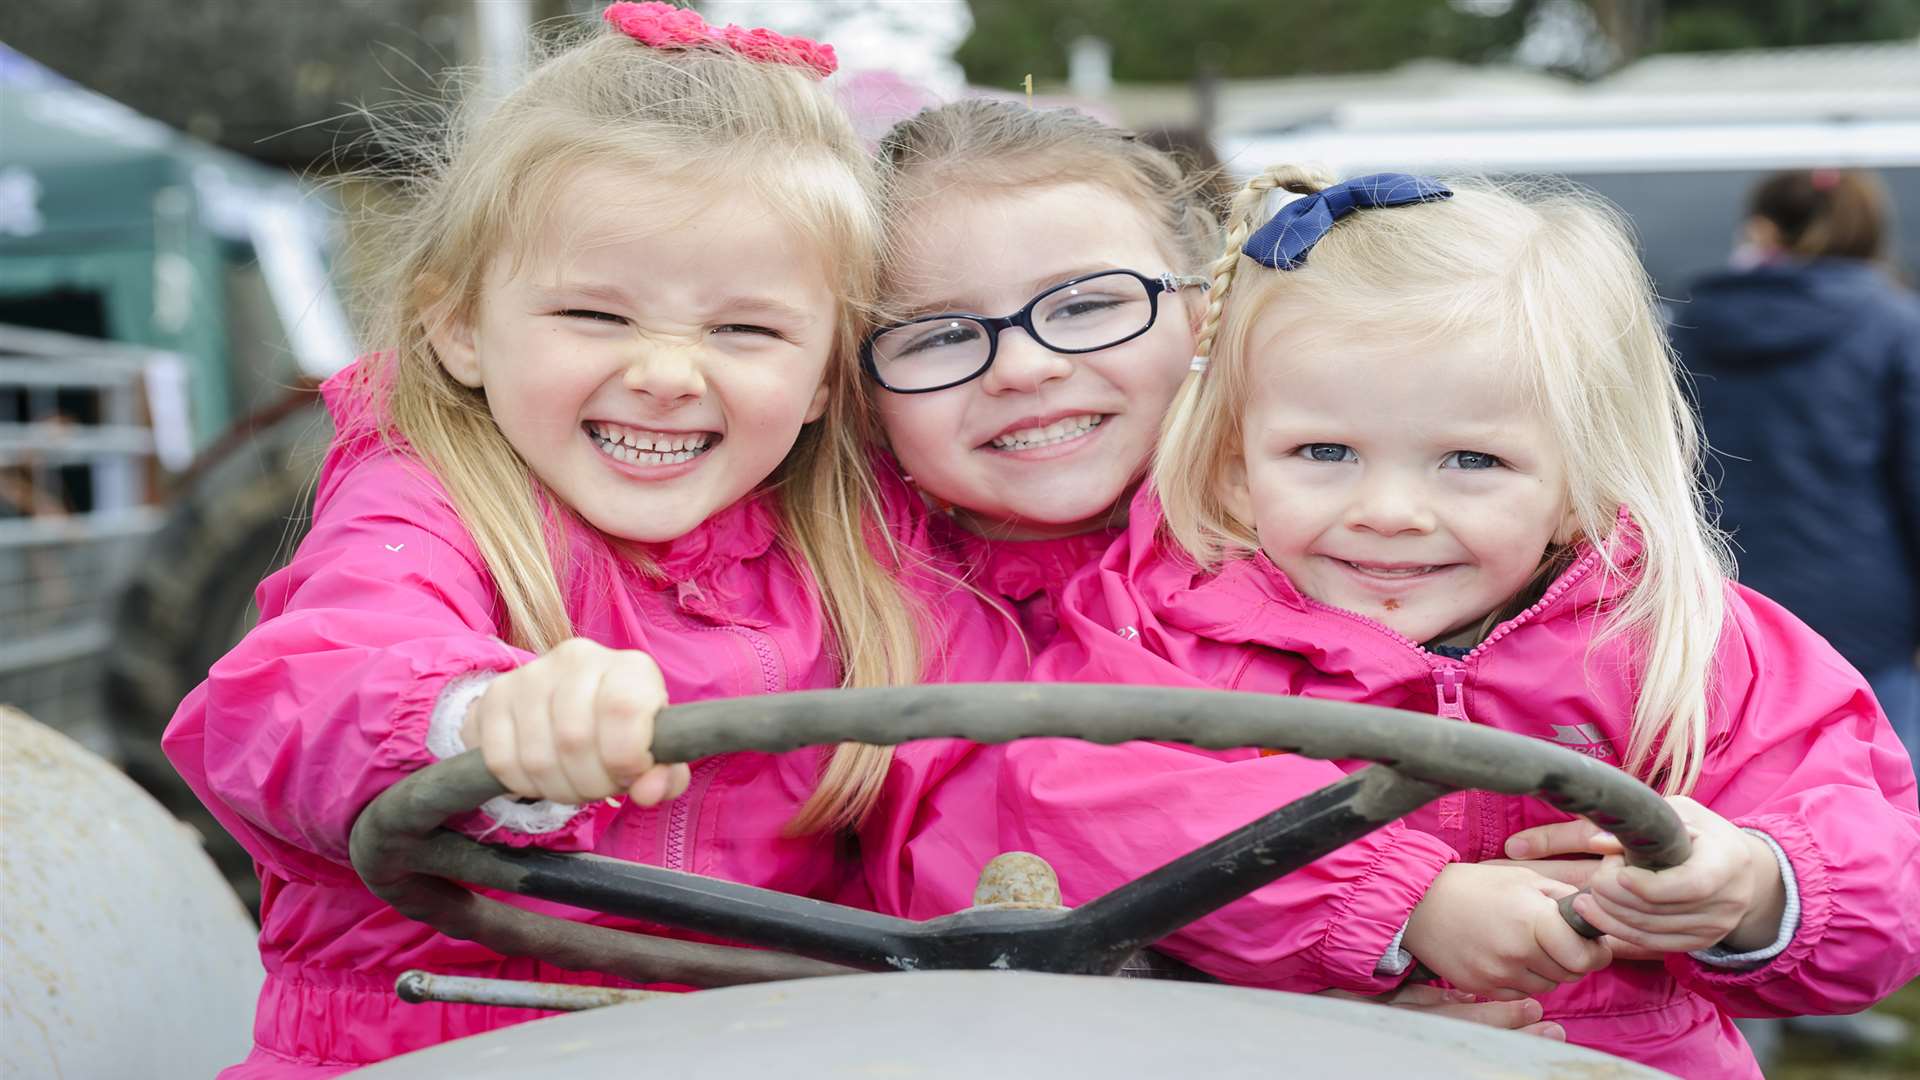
[(1058, 431), (648, 447), (1382, 571)]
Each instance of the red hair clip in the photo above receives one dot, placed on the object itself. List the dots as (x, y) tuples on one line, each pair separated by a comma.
[(1824, 179), (663, 26)]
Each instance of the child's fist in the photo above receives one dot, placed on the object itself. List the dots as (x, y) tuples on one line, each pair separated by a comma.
[(1497, 931), (576, 725), (1728, 892)]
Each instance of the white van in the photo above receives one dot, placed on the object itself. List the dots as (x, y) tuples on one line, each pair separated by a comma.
[(1680, 162)]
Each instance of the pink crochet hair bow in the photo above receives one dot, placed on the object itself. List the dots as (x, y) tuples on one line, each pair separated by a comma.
[(663, 26)]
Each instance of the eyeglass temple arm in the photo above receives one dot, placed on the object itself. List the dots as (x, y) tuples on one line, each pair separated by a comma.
[(1176, 282)]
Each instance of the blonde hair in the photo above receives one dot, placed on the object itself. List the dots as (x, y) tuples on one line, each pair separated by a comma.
[(1003, 146), (1548, 274), (483, 190)]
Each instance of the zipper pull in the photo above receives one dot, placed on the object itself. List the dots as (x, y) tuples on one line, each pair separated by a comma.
[(1450, 686)]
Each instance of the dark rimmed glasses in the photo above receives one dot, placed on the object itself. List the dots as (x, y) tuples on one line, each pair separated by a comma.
[(1086, 314)]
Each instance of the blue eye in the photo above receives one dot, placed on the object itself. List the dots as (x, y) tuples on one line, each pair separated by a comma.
[(1328, 452), (1470, 459)]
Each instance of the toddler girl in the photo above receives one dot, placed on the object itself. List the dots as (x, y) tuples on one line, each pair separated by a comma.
[(1437, 460)]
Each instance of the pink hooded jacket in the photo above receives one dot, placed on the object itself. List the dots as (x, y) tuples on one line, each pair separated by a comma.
[(327, 702), (1797, 750)]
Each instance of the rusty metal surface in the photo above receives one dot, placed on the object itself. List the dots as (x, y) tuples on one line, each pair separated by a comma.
[(963, 1025), (415, 987), (123, 952), (1017, 879)]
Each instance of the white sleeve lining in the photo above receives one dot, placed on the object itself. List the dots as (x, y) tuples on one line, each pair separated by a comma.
[(1397, 959), (444, 741)]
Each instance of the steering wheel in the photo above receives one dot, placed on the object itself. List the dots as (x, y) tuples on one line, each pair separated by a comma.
[(406, 858)]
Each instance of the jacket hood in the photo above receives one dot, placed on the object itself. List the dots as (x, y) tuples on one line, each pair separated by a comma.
[(1778, 313)]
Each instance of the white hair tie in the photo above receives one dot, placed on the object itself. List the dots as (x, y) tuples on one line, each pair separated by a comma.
[(1274, 200)]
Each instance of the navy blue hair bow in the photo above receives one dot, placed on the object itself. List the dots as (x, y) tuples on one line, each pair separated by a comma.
[(1283, 242)]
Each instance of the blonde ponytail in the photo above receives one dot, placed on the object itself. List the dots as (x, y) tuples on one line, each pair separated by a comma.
[(1242, 213)]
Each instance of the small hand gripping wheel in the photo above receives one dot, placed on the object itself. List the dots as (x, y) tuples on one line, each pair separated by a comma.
[(407, 859)]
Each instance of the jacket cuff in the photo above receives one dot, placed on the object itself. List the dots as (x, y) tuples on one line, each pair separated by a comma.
[(1809, 885), (1364, 935), (444, 740), (1719, 957)]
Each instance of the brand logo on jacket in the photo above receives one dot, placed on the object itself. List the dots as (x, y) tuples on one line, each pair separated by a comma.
[(1583, 739)]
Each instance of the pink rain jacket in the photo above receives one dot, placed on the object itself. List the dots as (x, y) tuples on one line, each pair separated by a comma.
[(1025, 577), (327, 702), (1798, 749), (1103, 816)]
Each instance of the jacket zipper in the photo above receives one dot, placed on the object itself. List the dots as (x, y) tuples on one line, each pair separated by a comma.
[(1450, 679), (1574, 575), (1568, 580), (681, 814), (763, 650), (1450, 698), (1450, 690)]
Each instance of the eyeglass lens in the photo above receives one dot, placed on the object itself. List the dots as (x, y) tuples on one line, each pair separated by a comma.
[(1081, 317)]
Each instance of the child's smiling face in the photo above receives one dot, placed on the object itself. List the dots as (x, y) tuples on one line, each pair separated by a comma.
[(990, 253), (1411, 483), (655, 354)]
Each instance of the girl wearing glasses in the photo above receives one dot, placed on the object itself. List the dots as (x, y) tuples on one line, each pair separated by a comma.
[(1041, 282), (1044, 302)]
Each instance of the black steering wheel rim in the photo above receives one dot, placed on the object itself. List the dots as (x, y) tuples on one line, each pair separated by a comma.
[(405, 857)]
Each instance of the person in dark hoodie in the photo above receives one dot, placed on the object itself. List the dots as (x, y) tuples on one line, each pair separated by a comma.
[(1806, 363)]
